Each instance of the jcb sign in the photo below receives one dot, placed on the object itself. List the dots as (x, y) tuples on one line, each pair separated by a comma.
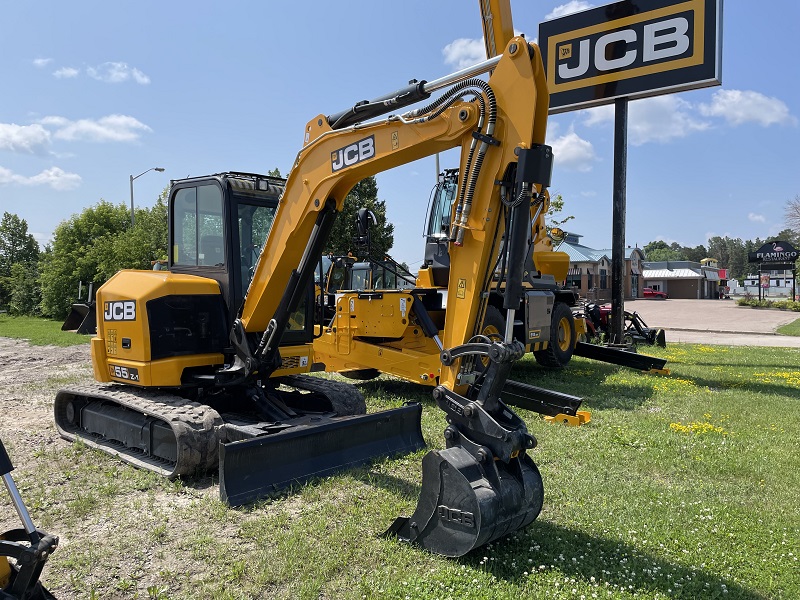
[(635, 48)]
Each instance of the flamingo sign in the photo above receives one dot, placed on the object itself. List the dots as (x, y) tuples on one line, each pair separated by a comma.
[(779, 253)]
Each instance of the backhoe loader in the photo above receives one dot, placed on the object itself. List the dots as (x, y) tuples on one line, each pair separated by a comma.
[(207, 363)]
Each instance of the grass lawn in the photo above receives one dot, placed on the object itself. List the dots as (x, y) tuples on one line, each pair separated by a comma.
[(682, 486), (792, 328), (39, 332)]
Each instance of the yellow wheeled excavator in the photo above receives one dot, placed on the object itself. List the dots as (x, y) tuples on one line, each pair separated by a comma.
[(207, 364)]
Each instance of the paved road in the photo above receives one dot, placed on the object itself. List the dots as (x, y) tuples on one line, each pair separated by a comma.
[(716, 322)]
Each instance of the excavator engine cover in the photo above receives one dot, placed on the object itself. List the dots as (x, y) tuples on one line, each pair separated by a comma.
[(465, 504)]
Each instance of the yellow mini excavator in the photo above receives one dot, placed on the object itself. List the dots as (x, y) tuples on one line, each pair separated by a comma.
[(206, 364)]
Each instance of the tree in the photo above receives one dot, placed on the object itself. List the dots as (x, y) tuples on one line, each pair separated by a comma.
[(17, 246), (660, 251), (94, 245), (25, 293), (695, 254), (556, 206), (364, 194), (788, 235), (793, 214)]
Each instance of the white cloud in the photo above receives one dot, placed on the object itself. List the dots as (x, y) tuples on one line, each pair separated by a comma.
[(54, 177), (742, 106), (598, 115), (41, 63), (572, 152), (756, 218), (659, 119), (113, 128), (28, 139), (662, 119), (117, 72), (567, 9), (464, 52), (66, 73)]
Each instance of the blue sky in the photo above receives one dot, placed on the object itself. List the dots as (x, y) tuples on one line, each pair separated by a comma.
[(93, 92)]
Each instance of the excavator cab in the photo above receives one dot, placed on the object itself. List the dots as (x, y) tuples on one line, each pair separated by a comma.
[(218, 226)]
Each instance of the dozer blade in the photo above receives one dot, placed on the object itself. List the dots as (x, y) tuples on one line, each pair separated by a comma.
[(259, 467), (463, 506)]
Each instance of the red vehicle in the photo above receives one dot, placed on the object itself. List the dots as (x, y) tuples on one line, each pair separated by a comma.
[(651, 293)]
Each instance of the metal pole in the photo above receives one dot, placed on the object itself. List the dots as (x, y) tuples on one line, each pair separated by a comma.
[(618, 219), (131, 201)]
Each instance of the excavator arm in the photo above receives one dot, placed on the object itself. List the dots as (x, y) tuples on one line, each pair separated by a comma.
[(497, 25), (492, 130), (483, 485)]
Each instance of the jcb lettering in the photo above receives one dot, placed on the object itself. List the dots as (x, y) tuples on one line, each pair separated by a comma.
[(120, 310), (353, 154), (636, 46), (453, 515)]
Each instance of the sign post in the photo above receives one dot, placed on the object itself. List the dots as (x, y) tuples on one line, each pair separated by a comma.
[(628, 50)]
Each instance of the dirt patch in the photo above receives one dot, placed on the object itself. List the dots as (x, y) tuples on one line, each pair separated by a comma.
[(29, 379), (121, 530)]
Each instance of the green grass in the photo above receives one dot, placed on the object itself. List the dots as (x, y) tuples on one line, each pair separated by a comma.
[(681, 486), (40, 332), (792, 328)]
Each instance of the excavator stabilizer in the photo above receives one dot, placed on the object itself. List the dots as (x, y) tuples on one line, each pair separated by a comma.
[(465, 504), (259, 467)]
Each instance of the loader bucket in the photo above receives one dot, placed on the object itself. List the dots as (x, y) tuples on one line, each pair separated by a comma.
[(464, 505), (259, 467), (81, 319)]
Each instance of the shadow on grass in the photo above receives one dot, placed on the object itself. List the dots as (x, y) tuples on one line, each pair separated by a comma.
[(592, 384), (384, 388), (599, 561), (747, 386)]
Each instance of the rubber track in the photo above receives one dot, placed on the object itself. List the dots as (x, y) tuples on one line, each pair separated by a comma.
[(196, 427), (345, 399)]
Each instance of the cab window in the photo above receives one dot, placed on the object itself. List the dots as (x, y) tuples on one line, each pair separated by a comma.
[(197, 227), (255, 222)]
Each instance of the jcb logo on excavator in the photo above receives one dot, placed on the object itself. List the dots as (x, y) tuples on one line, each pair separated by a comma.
[(120, 310), (353, 154), (453, 515)]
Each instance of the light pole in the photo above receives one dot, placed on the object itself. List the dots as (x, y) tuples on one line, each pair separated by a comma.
[(159, 169)]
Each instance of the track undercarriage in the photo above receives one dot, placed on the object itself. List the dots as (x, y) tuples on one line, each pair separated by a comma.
[(261, 439)]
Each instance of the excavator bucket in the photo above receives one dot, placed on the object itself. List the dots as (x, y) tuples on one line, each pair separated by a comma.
[(259, 467), (465, 504)]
